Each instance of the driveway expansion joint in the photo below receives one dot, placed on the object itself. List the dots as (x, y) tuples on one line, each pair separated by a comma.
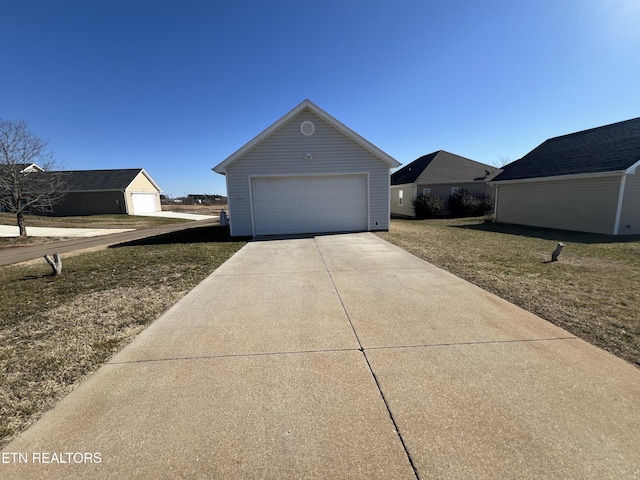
[(459, 344), (373, 374), (231, 355)]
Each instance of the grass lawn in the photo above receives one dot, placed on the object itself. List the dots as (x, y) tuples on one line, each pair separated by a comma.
[(593, 291), (56, 331), (89, 221)]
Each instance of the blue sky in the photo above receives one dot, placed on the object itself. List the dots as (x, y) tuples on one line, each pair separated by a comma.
[(175, 87)]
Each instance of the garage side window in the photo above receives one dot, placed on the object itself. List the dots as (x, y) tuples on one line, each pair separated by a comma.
[(400, 198)]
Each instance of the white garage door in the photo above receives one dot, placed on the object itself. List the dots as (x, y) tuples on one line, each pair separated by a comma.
[(335, 203), (143, 203)]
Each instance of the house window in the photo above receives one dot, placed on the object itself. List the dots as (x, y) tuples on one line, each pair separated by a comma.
[(400, 198), (455, 190), (426, 191)]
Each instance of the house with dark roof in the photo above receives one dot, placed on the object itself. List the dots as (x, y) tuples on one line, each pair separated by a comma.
[(585, 181), (128, 191), (440, 173)]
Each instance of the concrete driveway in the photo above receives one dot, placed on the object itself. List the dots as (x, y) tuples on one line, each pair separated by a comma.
[(186, 216), (343, 357)]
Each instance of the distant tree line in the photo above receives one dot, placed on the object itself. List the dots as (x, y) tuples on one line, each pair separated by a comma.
[(195, 199)]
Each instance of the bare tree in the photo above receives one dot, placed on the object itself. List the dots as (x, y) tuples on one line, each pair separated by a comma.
[(28, 181), (501, 162)]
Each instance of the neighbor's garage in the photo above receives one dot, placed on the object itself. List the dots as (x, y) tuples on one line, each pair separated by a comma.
[(144, 203), (303, 204)]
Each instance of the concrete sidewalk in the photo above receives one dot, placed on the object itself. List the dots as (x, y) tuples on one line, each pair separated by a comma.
[(343, 357), (13, 231)]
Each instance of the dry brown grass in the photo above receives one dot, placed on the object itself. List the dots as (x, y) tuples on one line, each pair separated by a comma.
[(56, 331), (199, 209), (593, 291), (90, 221)]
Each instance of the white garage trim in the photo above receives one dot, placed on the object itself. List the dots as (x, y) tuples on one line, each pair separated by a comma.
[(143, 203), (292, 204)]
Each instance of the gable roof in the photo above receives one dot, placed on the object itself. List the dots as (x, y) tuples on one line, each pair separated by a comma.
[(444, 167), (610, 148), (106, 180), (306, 105)]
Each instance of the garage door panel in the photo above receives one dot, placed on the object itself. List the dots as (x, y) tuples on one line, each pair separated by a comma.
[(143, 203), (309, 204)]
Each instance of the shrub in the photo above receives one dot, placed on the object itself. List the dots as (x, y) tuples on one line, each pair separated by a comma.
[(427, 206), (466, 204)]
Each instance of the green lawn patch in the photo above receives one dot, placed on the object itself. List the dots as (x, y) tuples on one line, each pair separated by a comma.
[(593, 291), (56, 331)]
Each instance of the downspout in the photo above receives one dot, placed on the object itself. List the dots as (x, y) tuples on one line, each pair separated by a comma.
[(623, 181), (230, 220)]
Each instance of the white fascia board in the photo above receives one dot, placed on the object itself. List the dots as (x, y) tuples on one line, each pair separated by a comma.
[(632, 168), (144, 172), (34, 167), (307, 104), (559, 178), (403, 185)]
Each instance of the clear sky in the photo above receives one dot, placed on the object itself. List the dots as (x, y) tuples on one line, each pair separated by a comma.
[(175, 87)]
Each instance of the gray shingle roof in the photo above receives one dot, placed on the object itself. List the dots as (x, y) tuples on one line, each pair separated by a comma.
[(88, 180), (609, 148), (444, 167)]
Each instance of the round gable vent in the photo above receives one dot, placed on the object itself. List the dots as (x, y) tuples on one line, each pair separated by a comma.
[(307, 128)]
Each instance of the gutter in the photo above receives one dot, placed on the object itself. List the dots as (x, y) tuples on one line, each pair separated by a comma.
[(559, 178)]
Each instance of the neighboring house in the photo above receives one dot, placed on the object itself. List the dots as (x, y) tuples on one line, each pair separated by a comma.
[(440, 173), (90, 192), (307, 173), (584, 181)]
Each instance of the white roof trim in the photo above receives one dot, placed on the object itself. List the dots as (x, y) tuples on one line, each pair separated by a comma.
[(558, 178), (308, 105), (632, 168), (144, 172), (34, 167)]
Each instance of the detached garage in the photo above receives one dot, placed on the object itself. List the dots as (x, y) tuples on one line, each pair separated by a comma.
[(91, 192), (307, 173)]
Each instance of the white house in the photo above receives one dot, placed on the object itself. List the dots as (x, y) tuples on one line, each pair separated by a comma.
[(307, 173)]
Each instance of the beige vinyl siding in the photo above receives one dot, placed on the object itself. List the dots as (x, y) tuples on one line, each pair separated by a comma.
[(408, 194), (630, 213), (141, 184), (587, 205), (283, 153)]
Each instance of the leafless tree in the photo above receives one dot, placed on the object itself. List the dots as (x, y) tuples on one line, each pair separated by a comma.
[(501, 162), (28, 180)]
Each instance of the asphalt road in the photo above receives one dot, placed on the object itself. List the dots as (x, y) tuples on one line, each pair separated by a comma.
[(13, 255)]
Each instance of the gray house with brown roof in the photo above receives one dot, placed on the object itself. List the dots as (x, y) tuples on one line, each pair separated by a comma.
[(440, 173), (128, 191), (584, 181)]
